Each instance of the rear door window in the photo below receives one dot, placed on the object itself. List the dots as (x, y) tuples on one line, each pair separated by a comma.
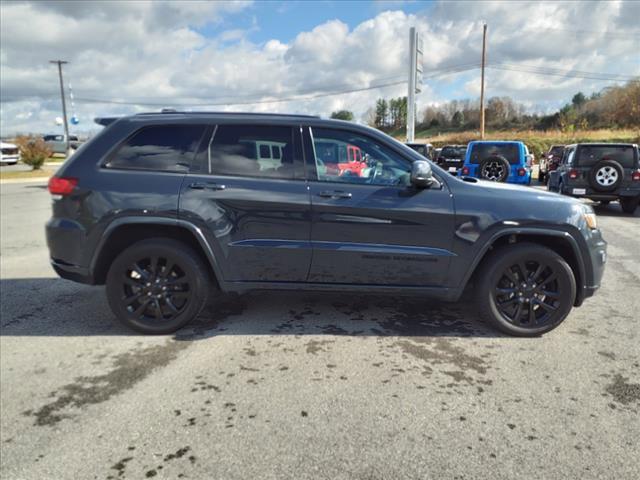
[(159, 147), (589, 155), (248, 151)]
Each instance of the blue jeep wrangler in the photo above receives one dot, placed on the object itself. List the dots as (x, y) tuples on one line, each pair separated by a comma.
[(498, 161)]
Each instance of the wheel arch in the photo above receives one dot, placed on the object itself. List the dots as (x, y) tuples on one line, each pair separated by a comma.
[(121, 233), (560, 242)]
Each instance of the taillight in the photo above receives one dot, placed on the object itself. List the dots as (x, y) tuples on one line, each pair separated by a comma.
[(522, 172), (573, 174), (465, 170), (635, 176), (62, 185)]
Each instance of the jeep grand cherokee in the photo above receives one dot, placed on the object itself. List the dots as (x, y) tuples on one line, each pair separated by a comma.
[(168, 208)]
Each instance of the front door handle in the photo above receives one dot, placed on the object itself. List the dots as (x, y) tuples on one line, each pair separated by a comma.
[(334, 194), (207, 186)]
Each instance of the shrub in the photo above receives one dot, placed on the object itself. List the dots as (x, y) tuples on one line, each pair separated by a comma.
[(33, 151)]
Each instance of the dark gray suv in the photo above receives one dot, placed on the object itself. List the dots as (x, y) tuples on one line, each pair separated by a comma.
[(602, 172), (168, 208)]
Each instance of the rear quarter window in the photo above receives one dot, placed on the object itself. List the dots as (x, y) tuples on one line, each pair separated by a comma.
[(159, 148)]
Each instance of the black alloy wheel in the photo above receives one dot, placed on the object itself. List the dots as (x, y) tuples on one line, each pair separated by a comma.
[(157, 286), (526, 289), (495, 168), (527, 293)]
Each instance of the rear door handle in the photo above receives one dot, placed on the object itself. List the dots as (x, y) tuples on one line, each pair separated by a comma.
[(207, 186), (334, 194)]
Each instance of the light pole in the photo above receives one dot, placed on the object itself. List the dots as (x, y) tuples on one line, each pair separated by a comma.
[(484, 50), (415, 80), (64, 103)]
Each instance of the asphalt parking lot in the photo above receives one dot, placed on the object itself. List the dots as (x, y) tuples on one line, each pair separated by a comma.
[(310, 385)]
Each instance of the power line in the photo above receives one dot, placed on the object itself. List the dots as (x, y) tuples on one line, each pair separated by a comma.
[(561, 73), (621, 34)]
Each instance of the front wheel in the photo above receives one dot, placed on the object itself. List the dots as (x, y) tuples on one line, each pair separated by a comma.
[(157, 286), (525, 289)]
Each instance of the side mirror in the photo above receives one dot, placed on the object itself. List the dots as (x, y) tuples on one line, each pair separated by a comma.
[(421, 174)]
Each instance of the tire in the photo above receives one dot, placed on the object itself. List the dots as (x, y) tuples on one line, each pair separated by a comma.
[(501, 295), (495, 168), (162, 304), (606, 175), (604, 203), (629, 204)]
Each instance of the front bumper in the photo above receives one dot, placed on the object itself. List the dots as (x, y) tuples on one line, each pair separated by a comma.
[(596, 256)]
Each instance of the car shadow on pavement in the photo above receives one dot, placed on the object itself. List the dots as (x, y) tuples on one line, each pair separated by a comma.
[(56, 307)]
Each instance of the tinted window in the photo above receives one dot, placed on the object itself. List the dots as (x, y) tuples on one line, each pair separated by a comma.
[(480, 151), (453, 152), (245, 150), (421, 149), (556, 151), (160, 147), (590, 155), (379, 165)]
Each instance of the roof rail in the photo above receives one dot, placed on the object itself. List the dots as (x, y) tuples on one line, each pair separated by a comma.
[(260, 114)]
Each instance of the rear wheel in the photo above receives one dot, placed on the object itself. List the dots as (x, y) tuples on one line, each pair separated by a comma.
[(157, 286), (525, 290), (629, 204)]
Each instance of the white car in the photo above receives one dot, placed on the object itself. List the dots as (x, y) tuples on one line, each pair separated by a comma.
[(10, 153)]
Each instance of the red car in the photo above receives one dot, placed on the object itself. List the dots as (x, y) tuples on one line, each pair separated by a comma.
[(342, 161)]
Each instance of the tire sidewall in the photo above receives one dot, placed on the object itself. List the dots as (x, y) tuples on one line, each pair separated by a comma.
[(531, 252), (629, 204), (184, 257)]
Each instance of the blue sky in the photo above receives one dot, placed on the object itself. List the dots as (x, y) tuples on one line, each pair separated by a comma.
[(126, 57), (284, 20)]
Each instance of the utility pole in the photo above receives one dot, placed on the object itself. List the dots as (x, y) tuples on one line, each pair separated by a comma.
[(415, 80), (64, 104), (484, 51)]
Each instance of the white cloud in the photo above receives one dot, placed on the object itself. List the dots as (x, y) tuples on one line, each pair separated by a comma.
[(152, 50)]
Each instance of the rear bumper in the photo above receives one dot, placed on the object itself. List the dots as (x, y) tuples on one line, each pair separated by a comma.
[(474, 171), (72, 272), (66, 239), (625, 191)]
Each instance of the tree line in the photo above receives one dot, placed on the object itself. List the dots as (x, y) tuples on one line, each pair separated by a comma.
[(612, 107)]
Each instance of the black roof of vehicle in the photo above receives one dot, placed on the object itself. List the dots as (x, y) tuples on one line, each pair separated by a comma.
[(236, 115), (601, 144)]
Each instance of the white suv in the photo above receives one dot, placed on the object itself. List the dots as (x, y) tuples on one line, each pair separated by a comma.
[(9, 153)]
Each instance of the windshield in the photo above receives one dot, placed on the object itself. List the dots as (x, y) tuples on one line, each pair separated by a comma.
[(590, 155), (480, 151)]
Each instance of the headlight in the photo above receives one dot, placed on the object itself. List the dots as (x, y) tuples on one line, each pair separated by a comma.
[(590, 218)]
